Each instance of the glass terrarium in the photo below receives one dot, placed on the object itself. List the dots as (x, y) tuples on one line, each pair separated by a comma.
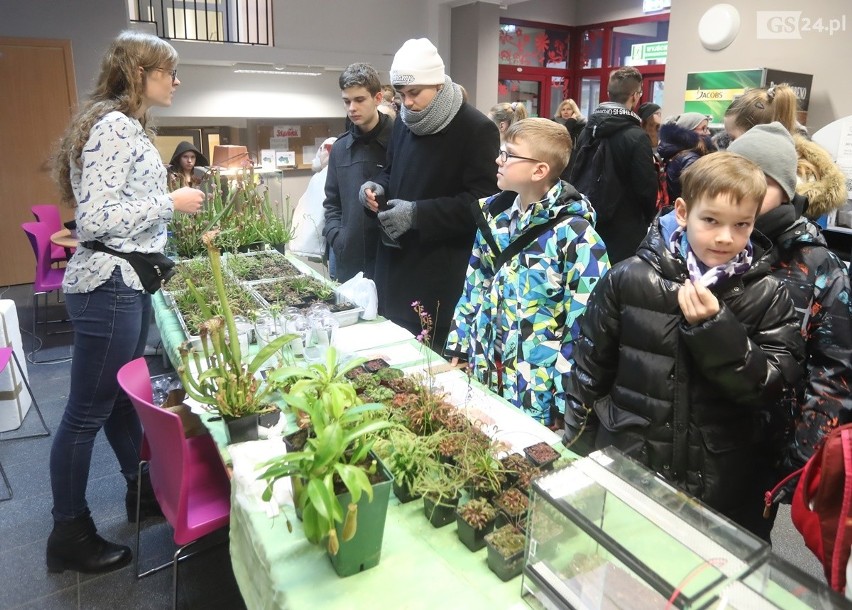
[(774, 585), (606, 532)]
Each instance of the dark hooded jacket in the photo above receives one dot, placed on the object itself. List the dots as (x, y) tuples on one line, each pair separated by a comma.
[(353, 235), (634, 168), (684, 400), (680, 148), (200, 161), (818, 282)]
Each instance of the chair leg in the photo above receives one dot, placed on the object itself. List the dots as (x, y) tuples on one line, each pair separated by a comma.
[(33, 398), (6, 483), (139, 528)]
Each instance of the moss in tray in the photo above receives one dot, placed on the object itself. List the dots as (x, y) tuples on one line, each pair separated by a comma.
[(264, 265)]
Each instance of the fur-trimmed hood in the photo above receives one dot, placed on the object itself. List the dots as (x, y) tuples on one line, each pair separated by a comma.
[(820, 180), (674, 139)]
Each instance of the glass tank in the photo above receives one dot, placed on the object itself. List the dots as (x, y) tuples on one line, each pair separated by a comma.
[(606, 532)]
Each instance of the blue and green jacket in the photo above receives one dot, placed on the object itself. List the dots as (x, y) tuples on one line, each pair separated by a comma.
[(525, 313)]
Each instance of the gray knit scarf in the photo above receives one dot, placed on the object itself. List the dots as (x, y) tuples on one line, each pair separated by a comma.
[(438, 114)]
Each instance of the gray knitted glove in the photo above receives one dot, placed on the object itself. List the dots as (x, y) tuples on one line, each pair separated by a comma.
[(398, 218), (377, 189)]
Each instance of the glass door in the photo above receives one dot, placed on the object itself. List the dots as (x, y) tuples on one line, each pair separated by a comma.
[(527, 91)]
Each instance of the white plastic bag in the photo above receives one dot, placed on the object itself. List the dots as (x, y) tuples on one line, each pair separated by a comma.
[(309, 219), (362, 292)]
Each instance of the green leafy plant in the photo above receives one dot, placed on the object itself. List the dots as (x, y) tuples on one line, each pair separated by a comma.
[(405, 455), (478, 513), (336, 455), (220, 377)]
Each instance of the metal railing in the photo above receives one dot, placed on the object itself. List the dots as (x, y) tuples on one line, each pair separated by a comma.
[(235, 21)]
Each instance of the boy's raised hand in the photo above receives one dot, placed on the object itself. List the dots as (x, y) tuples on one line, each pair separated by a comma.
[(696, 302)]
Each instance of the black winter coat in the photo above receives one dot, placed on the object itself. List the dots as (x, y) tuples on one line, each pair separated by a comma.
[(353, 235), (679, 149), (685, 400), (444, 174), (637, 176)]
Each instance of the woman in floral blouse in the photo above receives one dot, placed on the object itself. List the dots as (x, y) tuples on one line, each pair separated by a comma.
[(108, 169)]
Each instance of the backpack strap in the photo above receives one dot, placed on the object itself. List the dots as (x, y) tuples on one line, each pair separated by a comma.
[(527, 238)]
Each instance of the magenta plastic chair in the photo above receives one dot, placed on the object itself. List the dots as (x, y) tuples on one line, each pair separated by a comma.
[(187, 474), (47, 278), (49, 215), (7, 354)]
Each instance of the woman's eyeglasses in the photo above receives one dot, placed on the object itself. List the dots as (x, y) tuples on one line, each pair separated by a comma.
[(167, 71)]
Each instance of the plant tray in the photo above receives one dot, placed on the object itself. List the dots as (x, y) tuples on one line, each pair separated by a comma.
[(288, 269), (345, 317)]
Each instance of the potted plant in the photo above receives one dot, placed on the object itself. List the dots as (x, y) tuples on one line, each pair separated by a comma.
[(441, 486), (405, 455), (273, 229), (486, 475), (216, 375), (513, 505), (475, 519), (541, 455), (339, 485), (506, 551)]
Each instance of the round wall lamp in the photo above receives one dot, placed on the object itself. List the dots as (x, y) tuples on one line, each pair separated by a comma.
[(719, 27)]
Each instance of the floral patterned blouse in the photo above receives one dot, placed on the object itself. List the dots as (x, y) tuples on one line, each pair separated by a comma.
[(122, 201)]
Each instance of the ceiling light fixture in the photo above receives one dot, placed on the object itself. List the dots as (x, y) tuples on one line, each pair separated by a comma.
[(279, 72)]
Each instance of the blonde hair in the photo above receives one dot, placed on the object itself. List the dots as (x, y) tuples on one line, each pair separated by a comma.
[(508, 112), (548, 142), (723, 173), (119, 87), (763, 106), (574, 107)]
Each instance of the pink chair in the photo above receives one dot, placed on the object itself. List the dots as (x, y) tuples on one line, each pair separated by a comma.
[(49, 214), (47, 278), (187, 475), (7, 354)]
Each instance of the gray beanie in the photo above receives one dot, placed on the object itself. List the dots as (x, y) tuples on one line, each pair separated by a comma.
[(771, 147), (687, 120)]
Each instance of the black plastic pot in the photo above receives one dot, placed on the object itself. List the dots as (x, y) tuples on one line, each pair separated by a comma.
[(241, 429), (440, 513), (546, 463), (403, 493), (472, 538), (506, 567)]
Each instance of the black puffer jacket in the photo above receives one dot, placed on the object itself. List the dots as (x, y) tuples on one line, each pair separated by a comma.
[(684, 400)]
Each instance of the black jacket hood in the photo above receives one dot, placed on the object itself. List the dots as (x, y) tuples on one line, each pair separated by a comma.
[(200, 159), (609, 118)]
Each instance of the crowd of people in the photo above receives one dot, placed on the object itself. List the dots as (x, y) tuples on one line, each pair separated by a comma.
[(694, 318)]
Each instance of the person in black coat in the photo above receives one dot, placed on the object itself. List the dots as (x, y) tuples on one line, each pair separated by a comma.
[(635, 203), (355, 157), (685, 346), (441, 160)]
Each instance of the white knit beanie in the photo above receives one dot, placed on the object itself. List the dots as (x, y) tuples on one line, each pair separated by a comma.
[(417, 63), (771, 147)]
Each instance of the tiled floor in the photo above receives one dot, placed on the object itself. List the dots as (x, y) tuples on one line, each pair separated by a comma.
[(206, 581)]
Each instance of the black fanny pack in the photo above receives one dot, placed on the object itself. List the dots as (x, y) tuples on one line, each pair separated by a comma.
[(153, 268)]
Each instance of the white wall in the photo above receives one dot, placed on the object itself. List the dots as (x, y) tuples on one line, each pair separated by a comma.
[(819, 54)]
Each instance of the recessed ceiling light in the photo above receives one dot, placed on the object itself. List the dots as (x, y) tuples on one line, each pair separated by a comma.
[(279, 72)]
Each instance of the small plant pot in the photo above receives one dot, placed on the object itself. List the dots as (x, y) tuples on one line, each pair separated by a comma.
[(403, 493), (471, 537), (269, 419), (295, 441), (257, 245), (503, 519), (505, 563), (375, 364), (241, 429), (541, 455), (440, 513)]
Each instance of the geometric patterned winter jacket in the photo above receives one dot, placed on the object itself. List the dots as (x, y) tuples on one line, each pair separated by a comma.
[(531, 304)]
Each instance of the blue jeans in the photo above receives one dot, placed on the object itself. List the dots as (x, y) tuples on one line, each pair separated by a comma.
[(110, 329)]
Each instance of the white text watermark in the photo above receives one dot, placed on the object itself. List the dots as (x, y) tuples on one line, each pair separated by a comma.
[(794, 24)]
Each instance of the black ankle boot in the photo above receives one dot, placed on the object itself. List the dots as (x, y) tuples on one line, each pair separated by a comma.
[(148, 505), (75, 545)]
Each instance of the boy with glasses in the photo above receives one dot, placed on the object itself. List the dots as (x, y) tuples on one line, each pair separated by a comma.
[(535, 260)]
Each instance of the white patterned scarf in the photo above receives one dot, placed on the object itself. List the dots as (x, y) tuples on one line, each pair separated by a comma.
[(700, 273), (438, 114)]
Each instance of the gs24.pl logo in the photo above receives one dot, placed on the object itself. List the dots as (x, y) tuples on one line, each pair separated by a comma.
[(793, 25)]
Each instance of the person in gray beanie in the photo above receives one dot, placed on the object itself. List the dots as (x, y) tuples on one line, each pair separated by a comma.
[(441, 160), (684, 138), (819, 286)]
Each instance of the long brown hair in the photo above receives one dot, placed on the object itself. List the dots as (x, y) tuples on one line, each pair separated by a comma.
[(119, 87), (763, 106)]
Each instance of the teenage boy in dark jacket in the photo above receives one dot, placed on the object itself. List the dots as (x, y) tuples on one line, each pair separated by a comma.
[(633, 206), (686, 345), (355, 157), (440, 162)]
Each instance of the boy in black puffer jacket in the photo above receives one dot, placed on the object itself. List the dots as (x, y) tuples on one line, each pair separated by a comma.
[(687, 344)]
